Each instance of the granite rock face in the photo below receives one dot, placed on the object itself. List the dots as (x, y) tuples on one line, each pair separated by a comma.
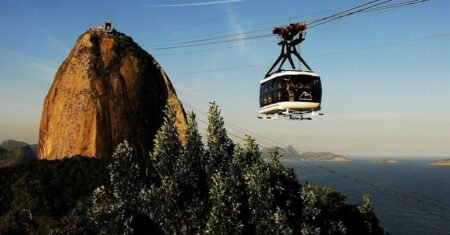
[(107, 90)]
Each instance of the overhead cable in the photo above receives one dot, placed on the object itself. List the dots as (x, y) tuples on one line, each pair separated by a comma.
[(441, 35), (376, 5)]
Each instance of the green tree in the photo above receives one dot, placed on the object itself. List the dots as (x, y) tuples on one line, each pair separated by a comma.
[(263, 215), (191, 174), (329, 198), (310, 212), (370, 220), (220, 146), (224, 216), (367, 206), (162, 196), (285, 187), (226, 186), (117, 208), (167, 145), (180, 189)]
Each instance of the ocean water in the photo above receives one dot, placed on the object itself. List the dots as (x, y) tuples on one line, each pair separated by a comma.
[(410, 197)]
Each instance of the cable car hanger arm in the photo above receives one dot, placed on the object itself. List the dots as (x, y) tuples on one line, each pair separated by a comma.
[(290, 37)]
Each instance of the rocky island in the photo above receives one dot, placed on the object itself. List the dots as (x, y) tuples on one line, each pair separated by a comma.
[(444, 162), (385, 161)]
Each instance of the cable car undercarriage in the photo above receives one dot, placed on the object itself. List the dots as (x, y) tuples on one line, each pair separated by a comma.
[(292, 115)]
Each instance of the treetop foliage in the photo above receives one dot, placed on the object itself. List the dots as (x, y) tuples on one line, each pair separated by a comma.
[(212, 188)]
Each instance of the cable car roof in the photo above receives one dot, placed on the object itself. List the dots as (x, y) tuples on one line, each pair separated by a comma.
[(289, 72)]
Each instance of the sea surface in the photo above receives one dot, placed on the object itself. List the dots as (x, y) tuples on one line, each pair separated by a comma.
[(409, 197)]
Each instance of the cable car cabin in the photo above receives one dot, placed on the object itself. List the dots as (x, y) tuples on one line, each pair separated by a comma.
[(291, 94), (290, 90)]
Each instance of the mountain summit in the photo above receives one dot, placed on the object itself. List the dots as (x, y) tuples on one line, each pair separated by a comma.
[(107, 90)]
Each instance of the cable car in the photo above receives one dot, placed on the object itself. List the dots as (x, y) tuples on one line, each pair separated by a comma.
[(290, 93)]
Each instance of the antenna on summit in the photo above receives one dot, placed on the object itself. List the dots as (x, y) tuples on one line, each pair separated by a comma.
[(108, 26)]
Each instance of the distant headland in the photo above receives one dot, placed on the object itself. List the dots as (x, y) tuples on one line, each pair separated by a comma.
[(444, 162), (328, 157), (290, 153)]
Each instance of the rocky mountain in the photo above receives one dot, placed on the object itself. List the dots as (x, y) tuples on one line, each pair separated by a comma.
[(107, 90), (20, 155)]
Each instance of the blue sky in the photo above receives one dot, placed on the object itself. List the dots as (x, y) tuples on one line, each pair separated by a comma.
[(386, 101)]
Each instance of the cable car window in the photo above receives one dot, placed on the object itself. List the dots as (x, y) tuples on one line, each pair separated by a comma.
[(261, 94), (268, 92), (275, 90), (291, 88)]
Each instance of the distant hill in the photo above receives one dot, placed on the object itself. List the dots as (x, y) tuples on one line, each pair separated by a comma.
[(444, 162), (19, 155), (16, 152), (12, 144), (290, 153)]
